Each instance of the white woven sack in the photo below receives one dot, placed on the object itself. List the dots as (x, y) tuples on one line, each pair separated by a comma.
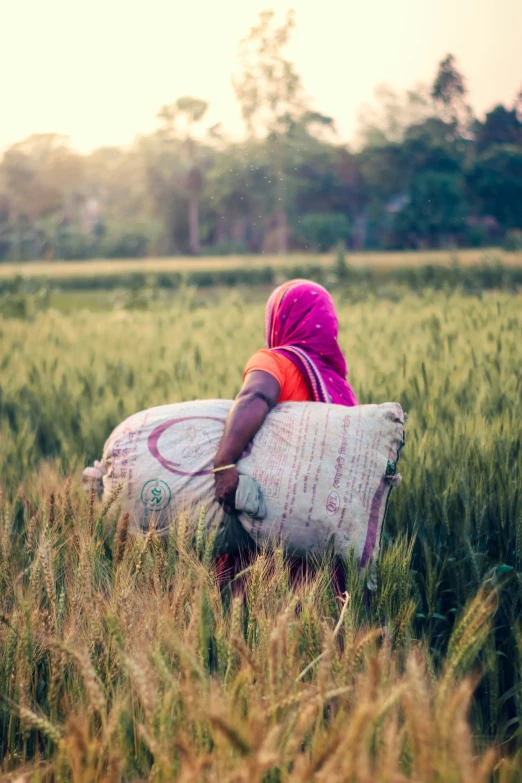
[(325, 471)]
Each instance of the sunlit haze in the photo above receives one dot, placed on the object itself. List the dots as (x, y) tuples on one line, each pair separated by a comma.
[(99, 71)]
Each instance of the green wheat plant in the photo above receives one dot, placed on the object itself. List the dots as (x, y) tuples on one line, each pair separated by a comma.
[(125, 658)]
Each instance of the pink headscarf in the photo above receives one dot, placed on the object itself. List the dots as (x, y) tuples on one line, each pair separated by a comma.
[(301, 323)]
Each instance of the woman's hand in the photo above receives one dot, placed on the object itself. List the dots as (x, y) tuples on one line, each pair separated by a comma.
[(226, 485)]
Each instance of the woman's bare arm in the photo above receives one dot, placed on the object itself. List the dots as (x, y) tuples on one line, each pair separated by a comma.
[(256, 399)]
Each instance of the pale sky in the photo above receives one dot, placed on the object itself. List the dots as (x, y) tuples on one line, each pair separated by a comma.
[(98, 71)]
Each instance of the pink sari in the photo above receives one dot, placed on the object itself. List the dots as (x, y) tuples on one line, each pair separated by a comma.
[(301, 323)]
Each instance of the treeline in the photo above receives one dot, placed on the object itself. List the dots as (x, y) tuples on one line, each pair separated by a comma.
[(426, 174)]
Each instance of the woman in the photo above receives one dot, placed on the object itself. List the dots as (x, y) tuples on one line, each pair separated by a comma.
[(302, 362)]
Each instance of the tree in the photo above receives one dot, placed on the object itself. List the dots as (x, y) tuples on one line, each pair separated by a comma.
[(290, 183), (517, 107), (495, 181), (117, 179), (501, 126), (435, 211), (389, 121), (166, 173), (273, 106), (42, 175), (449, 94), (268, 88), (322, 231), (239, 196), (42, 179), (187, 112), (327, 181)]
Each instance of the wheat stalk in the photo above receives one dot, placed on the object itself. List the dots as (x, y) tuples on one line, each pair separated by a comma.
[(30, 718), (113, 497), (92, 503), (143, 681), (146, 543), (200, 532), (49, 578), (51, 514), (122, 530)]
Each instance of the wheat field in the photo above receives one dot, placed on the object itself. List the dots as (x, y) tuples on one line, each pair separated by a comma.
[(129, 659)]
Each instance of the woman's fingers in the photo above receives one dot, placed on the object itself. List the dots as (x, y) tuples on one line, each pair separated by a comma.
[(226, 485), (229, 500)]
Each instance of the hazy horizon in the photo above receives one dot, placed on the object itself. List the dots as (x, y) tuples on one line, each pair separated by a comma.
[(99, 73)]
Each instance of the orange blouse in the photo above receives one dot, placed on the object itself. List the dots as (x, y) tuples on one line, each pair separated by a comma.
[(293, 385)]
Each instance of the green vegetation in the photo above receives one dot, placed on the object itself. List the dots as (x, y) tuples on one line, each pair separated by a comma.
[(124, 658), (27, 288), (378, 261), (423, 173)]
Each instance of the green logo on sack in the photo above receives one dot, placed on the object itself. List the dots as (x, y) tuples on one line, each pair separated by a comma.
[(156, 495)]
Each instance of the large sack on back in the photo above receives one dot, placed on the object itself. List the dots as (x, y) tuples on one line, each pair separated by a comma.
[(324, 471)]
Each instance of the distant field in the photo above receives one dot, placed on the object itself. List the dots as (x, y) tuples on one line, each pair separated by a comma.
[(100, 267)]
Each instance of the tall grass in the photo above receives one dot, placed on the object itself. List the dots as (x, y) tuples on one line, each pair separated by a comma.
[(125, 658)]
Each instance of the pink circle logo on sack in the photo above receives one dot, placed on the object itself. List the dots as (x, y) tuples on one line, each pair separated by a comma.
[(333, 503), (196, 441)]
